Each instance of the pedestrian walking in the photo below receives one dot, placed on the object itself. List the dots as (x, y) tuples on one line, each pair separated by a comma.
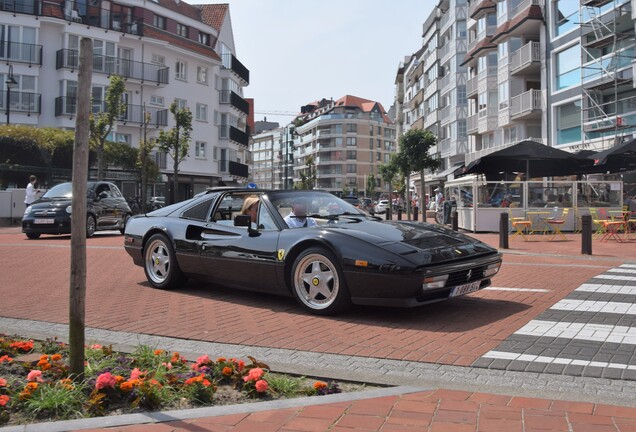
[(31, 191)]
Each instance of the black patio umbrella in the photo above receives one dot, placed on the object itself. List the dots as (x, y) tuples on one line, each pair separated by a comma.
[(530, 157), (621, 157)]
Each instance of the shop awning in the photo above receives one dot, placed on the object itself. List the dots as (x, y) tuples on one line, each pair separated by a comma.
[(442, 175)]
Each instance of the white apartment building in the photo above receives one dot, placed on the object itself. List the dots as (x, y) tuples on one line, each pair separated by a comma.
[(166, 50), (347, 139), (272, 154), (558, 72)]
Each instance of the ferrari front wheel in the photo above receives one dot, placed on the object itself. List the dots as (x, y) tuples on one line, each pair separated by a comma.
[(318, 284), (160, 263)]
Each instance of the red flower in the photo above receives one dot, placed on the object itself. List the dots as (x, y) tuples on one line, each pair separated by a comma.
[(4, 400), (261, 386)]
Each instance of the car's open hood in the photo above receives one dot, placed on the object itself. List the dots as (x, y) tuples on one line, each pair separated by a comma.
[(419, 243)]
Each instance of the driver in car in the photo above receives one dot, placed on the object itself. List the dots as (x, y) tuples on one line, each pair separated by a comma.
[(297, 218)]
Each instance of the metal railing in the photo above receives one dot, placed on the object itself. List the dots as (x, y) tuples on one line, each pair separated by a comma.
[(95, 16), (17, 52), (230, 97), (129, 69), (236, 66), (238, 169), (526, 102), (21, 102), (31, 7), (470, 157), (525, 4), (239, 136), (527, 54)]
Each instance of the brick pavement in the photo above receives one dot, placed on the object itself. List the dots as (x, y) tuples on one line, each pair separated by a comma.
[(453, 410)]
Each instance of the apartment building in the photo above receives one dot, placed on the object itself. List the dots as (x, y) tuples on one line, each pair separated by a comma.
[(347, 139), (166, 50), (272, 154)]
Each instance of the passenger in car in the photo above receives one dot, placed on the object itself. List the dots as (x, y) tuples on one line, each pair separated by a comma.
[(250, 207), (297, 218)]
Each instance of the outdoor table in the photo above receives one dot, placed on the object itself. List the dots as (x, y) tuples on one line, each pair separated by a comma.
[(538, 220)]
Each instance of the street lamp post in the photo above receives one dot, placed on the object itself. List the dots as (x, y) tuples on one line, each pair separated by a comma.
[(11, 83)]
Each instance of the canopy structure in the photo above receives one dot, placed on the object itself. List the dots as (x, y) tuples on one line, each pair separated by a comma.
[(621, 157), (529, 157)]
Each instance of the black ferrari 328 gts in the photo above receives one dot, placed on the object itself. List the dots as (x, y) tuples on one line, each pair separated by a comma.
[(346, 256)]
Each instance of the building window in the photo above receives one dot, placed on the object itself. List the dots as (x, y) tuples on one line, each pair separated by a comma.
[(158, 59), (351, 141), (567, 12), (352, 127), (568, 119), (568, 67), (182, 30), (181, 103), (161, 160), (123, 138), (202, 75), (159, 21), (351, 168), (199, 149), (204, 38), (215, 152), (180, 70), (156, 100), (202, 112), (352, 154)]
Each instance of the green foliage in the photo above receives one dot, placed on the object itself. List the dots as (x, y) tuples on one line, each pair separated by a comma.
[(58, 400), (414, 151), (29, 145), (308, 178), (176, 141), (121, 154), (286, 386), (370, 186)]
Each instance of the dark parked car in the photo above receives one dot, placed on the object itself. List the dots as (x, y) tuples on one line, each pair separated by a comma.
[(348, 257), (106, 209)]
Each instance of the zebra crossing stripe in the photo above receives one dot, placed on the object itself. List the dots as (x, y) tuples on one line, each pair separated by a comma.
[(607, 289), (554, 360), (595, 306), (622, 270), (581, 331), (616, 278), (628, 266)]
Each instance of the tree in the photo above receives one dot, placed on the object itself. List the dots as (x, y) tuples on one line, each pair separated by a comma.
[(176, 142), (414, 147), (147, 167), (308, 180), (388, 172), (370, 186), (101, 124)]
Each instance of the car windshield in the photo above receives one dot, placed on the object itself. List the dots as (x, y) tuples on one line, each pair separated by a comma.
[(319, 204), (64, 190)]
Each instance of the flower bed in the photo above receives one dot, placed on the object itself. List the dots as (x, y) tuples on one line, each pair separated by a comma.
[(35, 382)]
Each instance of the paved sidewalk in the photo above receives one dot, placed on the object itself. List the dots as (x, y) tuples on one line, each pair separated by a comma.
[(426, 396)]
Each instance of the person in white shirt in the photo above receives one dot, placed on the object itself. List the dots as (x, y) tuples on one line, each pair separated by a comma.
[(31, 192), (439, 198), (297, 218)]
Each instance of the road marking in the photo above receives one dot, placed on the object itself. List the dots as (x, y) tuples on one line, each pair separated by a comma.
[(554, 360), (616, 278), (580, 331), (541, 290), (622, 270), (68, 246), (608, 289), (595, 306)]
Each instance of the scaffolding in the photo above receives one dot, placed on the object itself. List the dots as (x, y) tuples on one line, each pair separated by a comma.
[(608, 110)]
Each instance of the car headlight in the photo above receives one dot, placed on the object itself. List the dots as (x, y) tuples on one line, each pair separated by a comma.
[(434, 282), (27, 211), (492, 269), (68, 210)]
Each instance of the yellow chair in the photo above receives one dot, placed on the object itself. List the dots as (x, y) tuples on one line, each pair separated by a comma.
[(520, 225), (598, 222), (556, 224), (512, 218)]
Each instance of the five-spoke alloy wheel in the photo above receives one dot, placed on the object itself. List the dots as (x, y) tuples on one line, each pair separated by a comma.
[(160, 264)]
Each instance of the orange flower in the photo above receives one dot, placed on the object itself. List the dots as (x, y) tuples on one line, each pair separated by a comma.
[(320, 385), (126, 386), (221, 360), (44, 364), (3, 382), (155, 383), (56, 357), (206, 383), (119, 379), (261, 386), (4, 400), (158, 352), (67, 383), (44, 358), (31, 387), (5, 358), (227, 371)]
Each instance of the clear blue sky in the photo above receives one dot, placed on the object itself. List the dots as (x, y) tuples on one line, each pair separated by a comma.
[(299, 51)]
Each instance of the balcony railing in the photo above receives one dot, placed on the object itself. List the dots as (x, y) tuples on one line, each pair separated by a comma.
[(31, 7), (67, 106), (472, 85), (21, 102), (525, 103), (236, 66), (522, 6), (238, 169), (108, 19), (229, 97), (526, 55), (472, 124), (16, 52), (238, 136), (129, 69)]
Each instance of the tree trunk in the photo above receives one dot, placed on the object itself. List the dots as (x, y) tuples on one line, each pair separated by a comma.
[(100, 161), (407, 200), (143, 160), (175, 180), (77, 288), (423, 197)]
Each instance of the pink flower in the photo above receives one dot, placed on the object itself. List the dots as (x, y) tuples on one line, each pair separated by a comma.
[(136, 374), (35, 375), (261, 386), (167, 365), (96, 346), (3, 382), (105, 380), (254, 375)]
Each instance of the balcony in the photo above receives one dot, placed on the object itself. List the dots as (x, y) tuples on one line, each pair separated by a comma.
[(127, 69), (477, 6), (430, 119), (444, 115), (526, 60), (238, 136), (471, 124), (234, 100), (238, 169), (444, 146), (21, 102), (522, 6), (472, 86), (121, 20), (237, 67), (16, 52), (487, 120), (526, 105), (135, 114), (30, 7)]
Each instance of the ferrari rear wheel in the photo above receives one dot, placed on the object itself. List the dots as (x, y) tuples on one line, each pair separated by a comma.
[(318, 283), (160, 264), (91, 226)]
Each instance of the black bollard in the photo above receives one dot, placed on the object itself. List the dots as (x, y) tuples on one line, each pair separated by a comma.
[(387, 214), (415, 213), (454, 221), (503, 231), (586, 235), (399, 210)]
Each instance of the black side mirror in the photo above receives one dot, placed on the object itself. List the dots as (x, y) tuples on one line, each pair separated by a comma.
[(243, 221)]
